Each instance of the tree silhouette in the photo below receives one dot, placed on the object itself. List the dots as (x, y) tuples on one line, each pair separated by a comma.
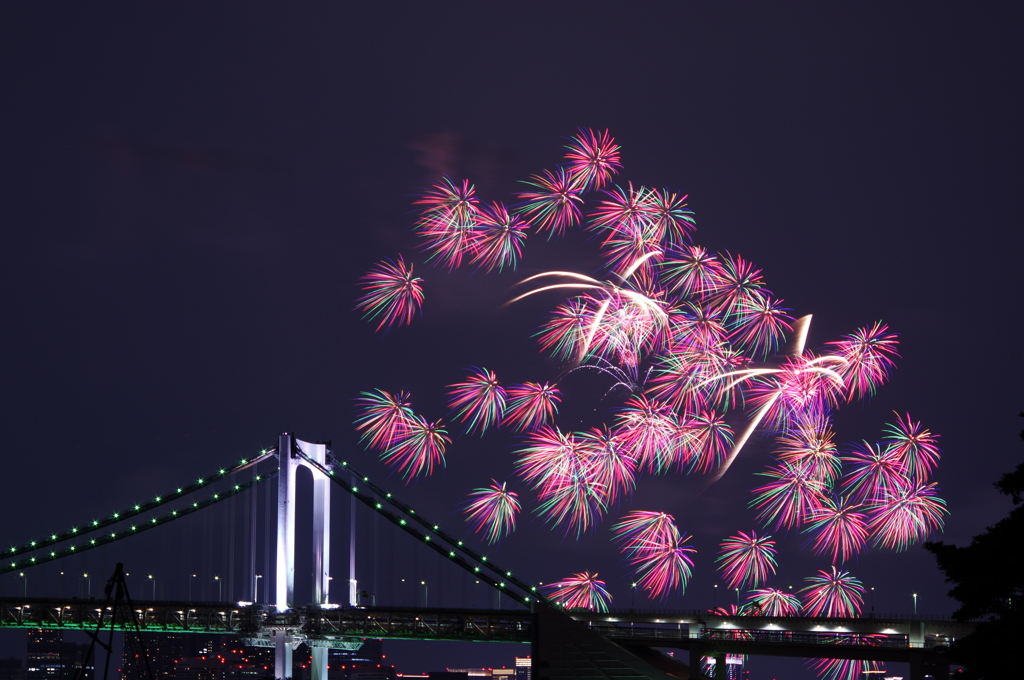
[(988, 578)]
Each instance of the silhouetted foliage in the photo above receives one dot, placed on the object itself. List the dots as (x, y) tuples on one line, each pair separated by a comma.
[(989, 584)]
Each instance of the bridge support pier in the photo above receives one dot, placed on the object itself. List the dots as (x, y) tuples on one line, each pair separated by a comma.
[(284, 597), (282, 654)]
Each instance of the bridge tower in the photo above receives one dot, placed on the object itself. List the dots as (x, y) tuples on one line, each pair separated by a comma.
[(284, 592)]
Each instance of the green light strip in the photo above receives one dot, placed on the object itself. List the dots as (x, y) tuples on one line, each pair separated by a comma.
[(106, 539), (97, 525)]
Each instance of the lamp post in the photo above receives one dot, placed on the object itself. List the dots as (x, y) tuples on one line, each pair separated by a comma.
[(220, 589), (872, 599), (190, 587), (154, 586), (426, 592), (737, 598), (714, 597), (24, 584), (400, 592), (915, 604), (88, 585), (632, 601), (256, 587)]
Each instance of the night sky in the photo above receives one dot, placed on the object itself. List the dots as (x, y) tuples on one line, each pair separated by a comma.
[(191, 193)]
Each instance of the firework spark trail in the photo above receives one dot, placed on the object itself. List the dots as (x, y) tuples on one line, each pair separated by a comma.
[(904, 515), (391, 293), (915, 447), (837, 527), (708, 438), (479, 401), (492, 511), (530, 405), (773, 602), (833, 594), (810, 443), (746, 560), (580, 591)]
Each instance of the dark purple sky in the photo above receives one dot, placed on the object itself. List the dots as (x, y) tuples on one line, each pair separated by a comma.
[(191, 195)]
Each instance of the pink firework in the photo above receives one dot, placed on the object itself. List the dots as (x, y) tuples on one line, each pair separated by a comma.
[(593, 159), (803, 388), (610, 463), (839, 527), (625, 210), (847, 669), (916, 448), (498, 238), (810, 443), (746, 560), (708, 440), (565, 333), (530, 405), (492, 511), (657, 551), (555, 205), (383, 418), (873, 469), (904, 515), (448, 222), (479, 401), (868, 358), (419, 450), (739, 286), (772, 602), (694, 272), (833, 594), (580, 591), (575, 502), (390, 293), (651, 432), (759, 325), (672, 219), (549, 456), (791, 495)]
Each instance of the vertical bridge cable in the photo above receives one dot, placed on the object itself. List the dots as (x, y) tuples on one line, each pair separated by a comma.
[(475, 562)]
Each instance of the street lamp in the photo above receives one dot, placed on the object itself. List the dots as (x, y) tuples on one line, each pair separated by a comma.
[(632, 602), (190, 587), (220, 590), (872, 599), (400, 593), (88, 585), (737, 598), (714, 597), (154, 586), (60, 586), (24, 584), (426, 592), (256, 587), (915, 604)]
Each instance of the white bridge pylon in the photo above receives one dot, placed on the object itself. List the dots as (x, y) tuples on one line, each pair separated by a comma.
[(285, 640)]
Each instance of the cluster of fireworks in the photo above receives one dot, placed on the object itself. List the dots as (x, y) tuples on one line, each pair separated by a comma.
[(696, 343)]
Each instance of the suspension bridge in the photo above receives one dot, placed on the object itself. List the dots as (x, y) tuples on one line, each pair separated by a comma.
[(618, 644)]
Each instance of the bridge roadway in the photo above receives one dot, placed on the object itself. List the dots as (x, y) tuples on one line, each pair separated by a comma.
[(883, 638)]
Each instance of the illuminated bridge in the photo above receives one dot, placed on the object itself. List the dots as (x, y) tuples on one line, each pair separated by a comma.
[(620, 645)]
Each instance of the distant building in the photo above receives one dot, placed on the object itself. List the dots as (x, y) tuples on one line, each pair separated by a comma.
[(50, 658), (10, 669), (523, 666)]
